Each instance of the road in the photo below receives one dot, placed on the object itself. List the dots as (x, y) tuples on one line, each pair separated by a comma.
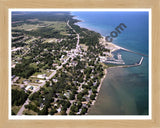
[(22, 108), (20, 112), (77, 46), (52, 74)]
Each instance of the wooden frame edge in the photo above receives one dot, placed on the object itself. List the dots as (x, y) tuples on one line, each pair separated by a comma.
[(5, 123)]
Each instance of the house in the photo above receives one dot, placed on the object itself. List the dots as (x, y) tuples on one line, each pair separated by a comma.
[(94, 84), (29, 87), (25, 82), (55, 104), (41, 106), (36, 81), (67, 94), (13, 65), (54, 80), (54, 64), (92, 77), (41, 76), (87, 98), (79, 111), (13, 76), (84, 104), (59, 110), (90, 92), (41, 81), (45, 50)]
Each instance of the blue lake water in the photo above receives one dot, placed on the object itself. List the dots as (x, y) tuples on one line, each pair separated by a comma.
[(124, 90)]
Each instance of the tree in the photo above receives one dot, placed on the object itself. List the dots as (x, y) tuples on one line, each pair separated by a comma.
[(85, 92), (80, 79), (44, 111), (84, 110), (93, 97), (47, 84), (71, 96), (13, 113), (79, 96), (53, 111), (73, 107), (79, 104), (18, 97), (63, 113), (94, 90), (71, 113)]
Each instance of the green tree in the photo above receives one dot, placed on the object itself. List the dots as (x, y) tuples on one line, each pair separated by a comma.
[(53, 111)]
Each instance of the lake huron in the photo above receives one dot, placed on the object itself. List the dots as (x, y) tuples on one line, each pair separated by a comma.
[(125, 91)]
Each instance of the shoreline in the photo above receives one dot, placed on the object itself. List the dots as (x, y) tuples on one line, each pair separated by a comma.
[(100, 85), (98, 90), (113, 47), (105, 73), (116, 47)]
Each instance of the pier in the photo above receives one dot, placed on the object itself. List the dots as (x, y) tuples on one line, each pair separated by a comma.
[(133, 65), (133, 52)]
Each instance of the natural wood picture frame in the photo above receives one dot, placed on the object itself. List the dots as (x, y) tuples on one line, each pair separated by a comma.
[(4, 9)]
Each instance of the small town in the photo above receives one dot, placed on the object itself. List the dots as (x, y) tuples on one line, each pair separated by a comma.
[(57, 67), (55, 75)]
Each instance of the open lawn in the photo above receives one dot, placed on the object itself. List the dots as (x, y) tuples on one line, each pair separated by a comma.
[(27, 27), (27, 57), (47, 72), (30, 40), (29, 112), (50, 40), (34, 65), (57, 25), (84, 47), (16, 87), (20, 80), (15, 109)]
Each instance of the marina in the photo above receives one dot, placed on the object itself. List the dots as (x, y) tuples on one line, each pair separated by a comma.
[(133, 65)]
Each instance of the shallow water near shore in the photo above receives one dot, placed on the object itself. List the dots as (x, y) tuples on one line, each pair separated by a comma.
[(121, 95), (124, 90)]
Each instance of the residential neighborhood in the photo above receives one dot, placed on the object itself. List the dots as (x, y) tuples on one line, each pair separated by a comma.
[(56, 69)]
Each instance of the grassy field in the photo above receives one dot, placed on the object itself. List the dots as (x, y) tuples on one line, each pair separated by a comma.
[(20, 81), (27, 27), (16, 87), (56, 25), (15, 109), (30, 40), (50, 40), (34, 65), (84, 47), (29, 112), (27, 57), (48, 73)]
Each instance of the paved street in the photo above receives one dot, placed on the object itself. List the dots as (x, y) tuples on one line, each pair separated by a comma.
[(53, 73)]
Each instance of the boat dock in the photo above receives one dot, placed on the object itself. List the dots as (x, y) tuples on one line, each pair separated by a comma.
[(133, 52), (133, 65), (115, 61)]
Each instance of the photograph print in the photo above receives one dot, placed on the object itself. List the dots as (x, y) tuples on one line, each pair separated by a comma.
[(79, 63)]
